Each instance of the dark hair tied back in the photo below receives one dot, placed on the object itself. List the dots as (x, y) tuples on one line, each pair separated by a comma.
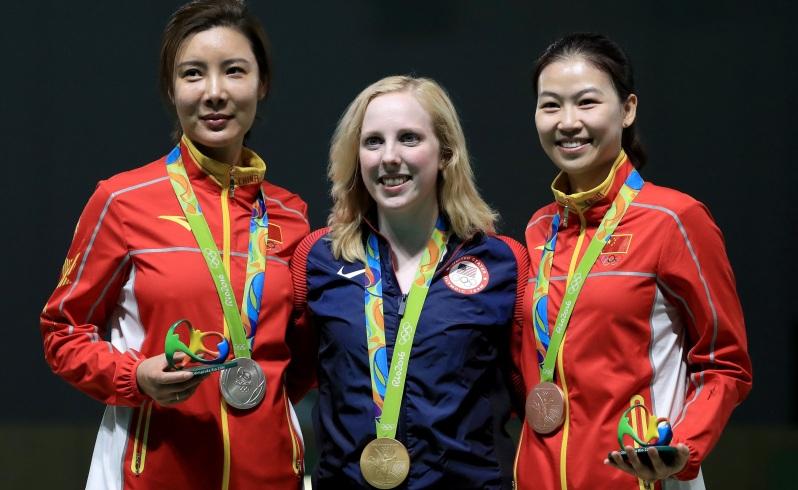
[(608, 57)]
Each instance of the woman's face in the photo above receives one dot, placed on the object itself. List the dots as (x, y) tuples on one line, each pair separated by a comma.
[(399, 154), (580, 120), (216, 90)]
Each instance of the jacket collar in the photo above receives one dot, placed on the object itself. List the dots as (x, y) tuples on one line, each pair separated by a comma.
[(454, 244), (251, 171), (593, 203)]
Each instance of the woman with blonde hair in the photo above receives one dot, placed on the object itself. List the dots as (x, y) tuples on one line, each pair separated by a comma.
[(409, 268)]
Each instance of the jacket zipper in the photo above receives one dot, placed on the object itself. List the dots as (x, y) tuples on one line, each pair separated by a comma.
[(140, 439), (518, 451), (297, 449), (402, 305)]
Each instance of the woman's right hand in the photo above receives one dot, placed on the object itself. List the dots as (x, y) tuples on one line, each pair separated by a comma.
[(163, 386)]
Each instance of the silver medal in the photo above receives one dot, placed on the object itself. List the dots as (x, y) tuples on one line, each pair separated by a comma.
[(243, 386)]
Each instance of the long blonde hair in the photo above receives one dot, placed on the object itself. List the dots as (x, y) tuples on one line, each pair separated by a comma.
[(458, 198)]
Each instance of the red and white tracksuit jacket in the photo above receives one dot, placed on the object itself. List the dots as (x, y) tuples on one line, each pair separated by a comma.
[(658, 321), (133, 269)]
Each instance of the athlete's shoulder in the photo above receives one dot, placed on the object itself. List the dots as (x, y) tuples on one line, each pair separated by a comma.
[(543, 216), (135, 178), (666, 199), (285, 199), (299, 265), (310, 242), (506, 244)]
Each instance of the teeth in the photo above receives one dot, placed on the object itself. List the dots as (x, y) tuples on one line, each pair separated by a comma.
[(571, 144), (392, 181)]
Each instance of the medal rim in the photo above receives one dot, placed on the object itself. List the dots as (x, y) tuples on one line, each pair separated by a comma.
[(405, 457), (545, 429), (242, 362)]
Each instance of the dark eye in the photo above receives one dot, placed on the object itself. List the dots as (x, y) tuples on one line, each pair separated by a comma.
[(191, 73), (235, 70), (372, 142), (549, 106), (588, 102), (409, 138)]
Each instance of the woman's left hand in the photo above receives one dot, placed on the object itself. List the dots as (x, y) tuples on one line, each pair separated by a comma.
[(658, 469)]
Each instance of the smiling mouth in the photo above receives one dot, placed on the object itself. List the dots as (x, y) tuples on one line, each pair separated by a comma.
[(393, 180), (569, 144)]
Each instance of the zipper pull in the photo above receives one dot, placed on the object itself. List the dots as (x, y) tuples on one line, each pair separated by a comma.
[(232, 184), (565, 219), (402, 305)]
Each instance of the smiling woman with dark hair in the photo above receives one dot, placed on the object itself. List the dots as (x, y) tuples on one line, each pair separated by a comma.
[(633, 301), (189, 237)]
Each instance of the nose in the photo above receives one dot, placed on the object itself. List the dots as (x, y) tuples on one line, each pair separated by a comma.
[(569, 120), (390, 155), (215, 94)]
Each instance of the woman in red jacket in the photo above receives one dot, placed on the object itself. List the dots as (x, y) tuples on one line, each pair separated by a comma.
[(634, 301), (191, 236)]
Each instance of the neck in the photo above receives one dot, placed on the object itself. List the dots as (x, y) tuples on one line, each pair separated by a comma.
[(585, 181), (226, 155), (408, 232)]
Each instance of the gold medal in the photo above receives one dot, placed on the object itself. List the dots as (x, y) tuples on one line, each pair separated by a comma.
[(384, 463), (545, 408)]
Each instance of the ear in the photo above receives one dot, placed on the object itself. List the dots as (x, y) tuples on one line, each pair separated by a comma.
[(629, 110), (445, 158), (262, 90)]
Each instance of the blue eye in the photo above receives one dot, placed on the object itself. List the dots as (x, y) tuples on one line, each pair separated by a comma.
[(409, 138), (372, 142)]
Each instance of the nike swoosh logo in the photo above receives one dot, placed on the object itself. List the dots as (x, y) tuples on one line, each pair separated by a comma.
[(350, 275)]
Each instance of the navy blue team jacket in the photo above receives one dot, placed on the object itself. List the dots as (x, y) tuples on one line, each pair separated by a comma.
[(456, 399)]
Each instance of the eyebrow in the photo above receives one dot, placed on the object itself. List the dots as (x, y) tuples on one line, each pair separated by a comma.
[(226, 62), (582, 92), (404, 129)]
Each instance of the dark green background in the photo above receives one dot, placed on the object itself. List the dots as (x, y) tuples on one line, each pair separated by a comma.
[(717, 88)]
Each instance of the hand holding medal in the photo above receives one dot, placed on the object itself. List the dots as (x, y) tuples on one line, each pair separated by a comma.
[(163, 384), (655, 459)]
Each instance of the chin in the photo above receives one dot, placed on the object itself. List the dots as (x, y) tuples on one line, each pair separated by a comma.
[(215, 140)]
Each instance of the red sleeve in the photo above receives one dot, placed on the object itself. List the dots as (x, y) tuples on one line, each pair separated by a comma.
[(302, 337), (698, 279), (516, 333), (73, 322)]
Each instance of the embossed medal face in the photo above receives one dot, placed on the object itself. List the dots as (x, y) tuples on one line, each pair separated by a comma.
[(243, 386), (384, 463), (545, 408)]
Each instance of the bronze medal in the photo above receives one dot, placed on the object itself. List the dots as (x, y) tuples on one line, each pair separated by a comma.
[(384, 463), (545, 408)]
